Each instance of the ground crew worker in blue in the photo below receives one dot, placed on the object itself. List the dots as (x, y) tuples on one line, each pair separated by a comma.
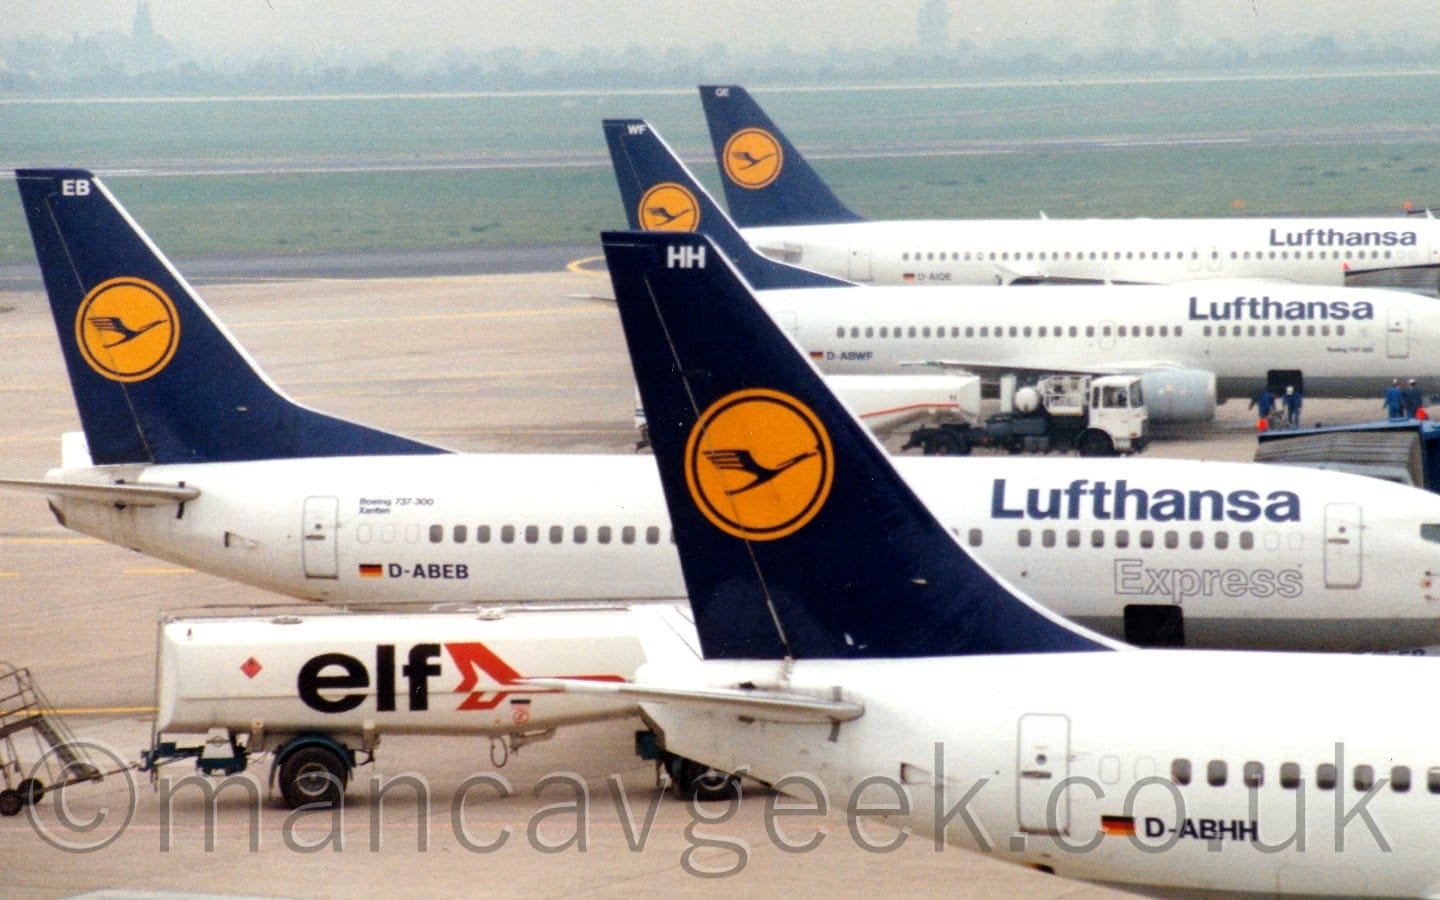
[(1293, 402), (1412, 399), (1264, 402), (1394, 401)]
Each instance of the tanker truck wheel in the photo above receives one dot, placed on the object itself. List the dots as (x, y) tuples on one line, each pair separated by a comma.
[(313, 775)]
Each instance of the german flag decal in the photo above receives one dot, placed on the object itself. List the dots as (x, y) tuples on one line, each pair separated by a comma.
[(1118, 826), (372, 570)]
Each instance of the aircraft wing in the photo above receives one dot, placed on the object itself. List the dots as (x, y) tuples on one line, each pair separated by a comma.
[(995, 370), (124, 494), (769, 706)]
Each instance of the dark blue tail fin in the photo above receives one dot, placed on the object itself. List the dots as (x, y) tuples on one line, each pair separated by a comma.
[(797, 537), (156, 377), (660, 194), (767, 181)]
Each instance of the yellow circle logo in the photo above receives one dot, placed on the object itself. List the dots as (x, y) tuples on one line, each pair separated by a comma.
[(669, 207), (127, 329), (759, 464), (753, 158)]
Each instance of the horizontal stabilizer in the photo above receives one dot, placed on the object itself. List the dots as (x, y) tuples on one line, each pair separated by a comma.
[(127, 494), (769, 706)]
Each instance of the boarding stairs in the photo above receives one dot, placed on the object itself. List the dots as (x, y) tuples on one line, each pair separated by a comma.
[(38, 753)]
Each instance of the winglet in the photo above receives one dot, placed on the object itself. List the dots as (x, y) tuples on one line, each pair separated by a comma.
[(797, 537), (156, 377), (767, 181), (660, 194)]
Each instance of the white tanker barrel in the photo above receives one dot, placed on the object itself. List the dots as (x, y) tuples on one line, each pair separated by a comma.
[(425, 673), (887, 402)]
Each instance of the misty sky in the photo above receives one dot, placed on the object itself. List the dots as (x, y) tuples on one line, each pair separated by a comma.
[(340, 30)]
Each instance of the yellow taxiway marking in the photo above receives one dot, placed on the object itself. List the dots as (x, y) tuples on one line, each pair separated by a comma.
[(578, 267), (160, 571), (103, 710), (9, 574)]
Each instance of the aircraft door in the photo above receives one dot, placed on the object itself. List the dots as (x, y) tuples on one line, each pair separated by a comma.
[(1397, 333), (317, 540), (1343, 544), (860, 263), (1043, 764)]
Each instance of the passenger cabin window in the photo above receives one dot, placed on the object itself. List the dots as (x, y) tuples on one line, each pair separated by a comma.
[(580, 534), (1290, 775), (557, 533), (652, 535), (1364, 778), (627, 534), (1254, 774), (482, 534), (976, 537), (1432, 780), (460, 533), (532, 534), (1400, 779), (1180, 771), (1325, 776), (602, 534), (1430, 532), (1216, 772)]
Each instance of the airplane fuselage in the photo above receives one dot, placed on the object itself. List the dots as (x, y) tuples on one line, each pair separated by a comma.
[(1379, 252), (1088, 769), (1345, 342), (1245, 556)]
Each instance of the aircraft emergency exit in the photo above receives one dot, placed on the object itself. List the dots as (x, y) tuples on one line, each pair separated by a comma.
[(177, 466), (889, 666), (1194, 345), (788, 212)]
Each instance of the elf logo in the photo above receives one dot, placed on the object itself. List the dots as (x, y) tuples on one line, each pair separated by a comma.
[(336, 683)]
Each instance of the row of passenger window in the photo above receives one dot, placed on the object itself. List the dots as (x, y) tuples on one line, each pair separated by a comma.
[(1104, 255), (511, 534), (1145, 539), (1279, 330), (1090, 331), (1252, 775), (971, 331)]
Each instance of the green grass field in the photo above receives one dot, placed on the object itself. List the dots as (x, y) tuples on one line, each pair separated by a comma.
[(220, 177)]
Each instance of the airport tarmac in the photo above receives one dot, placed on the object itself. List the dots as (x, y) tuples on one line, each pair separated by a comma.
[(514, 362)]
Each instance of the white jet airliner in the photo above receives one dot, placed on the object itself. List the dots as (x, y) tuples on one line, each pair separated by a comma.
[(855, 654), (1194, 345), (788, 212), (196, 458)]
